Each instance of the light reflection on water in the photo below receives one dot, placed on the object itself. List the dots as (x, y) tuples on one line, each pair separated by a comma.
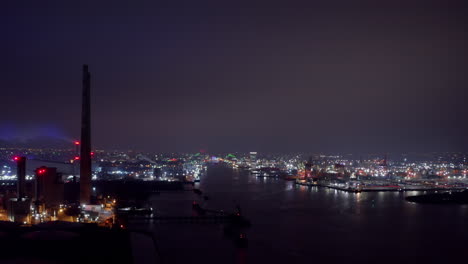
[(290, 220)]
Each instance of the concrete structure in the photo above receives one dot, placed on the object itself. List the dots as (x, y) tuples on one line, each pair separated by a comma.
[(21, 176), (253, 158), (85, 154), (49, 188), (18, 208)]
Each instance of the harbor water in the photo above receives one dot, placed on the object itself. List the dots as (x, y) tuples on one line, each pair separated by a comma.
[(299, 224)]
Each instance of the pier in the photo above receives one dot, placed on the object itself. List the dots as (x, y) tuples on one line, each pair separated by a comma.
[(212, 219), (381, 188)]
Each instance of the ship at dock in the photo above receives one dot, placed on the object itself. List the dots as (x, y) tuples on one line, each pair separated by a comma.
[(460, 197)]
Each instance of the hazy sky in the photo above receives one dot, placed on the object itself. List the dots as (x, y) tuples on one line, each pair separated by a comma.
[(239, 76)]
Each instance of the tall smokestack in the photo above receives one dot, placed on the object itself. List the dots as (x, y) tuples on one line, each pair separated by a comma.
[(85, 154), (21, 176)]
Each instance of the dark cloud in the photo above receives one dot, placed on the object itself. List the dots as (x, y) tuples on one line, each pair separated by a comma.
[(332, 76)]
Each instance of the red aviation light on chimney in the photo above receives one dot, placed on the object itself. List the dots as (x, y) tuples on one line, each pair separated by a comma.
[(77, 158), (77, 142), (16, 158)]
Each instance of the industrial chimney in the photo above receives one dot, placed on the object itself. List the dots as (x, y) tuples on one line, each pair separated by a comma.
[(21, 176), (85, 153)]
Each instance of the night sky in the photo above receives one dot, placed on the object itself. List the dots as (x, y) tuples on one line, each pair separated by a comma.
[(239, 76)]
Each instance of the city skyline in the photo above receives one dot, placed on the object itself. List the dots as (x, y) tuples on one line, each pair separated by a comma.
[(233, 132), (317, 78)]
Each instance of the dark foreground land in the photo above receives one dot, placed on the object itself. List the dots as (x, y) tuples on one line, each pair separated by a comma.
[(63, 242)]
